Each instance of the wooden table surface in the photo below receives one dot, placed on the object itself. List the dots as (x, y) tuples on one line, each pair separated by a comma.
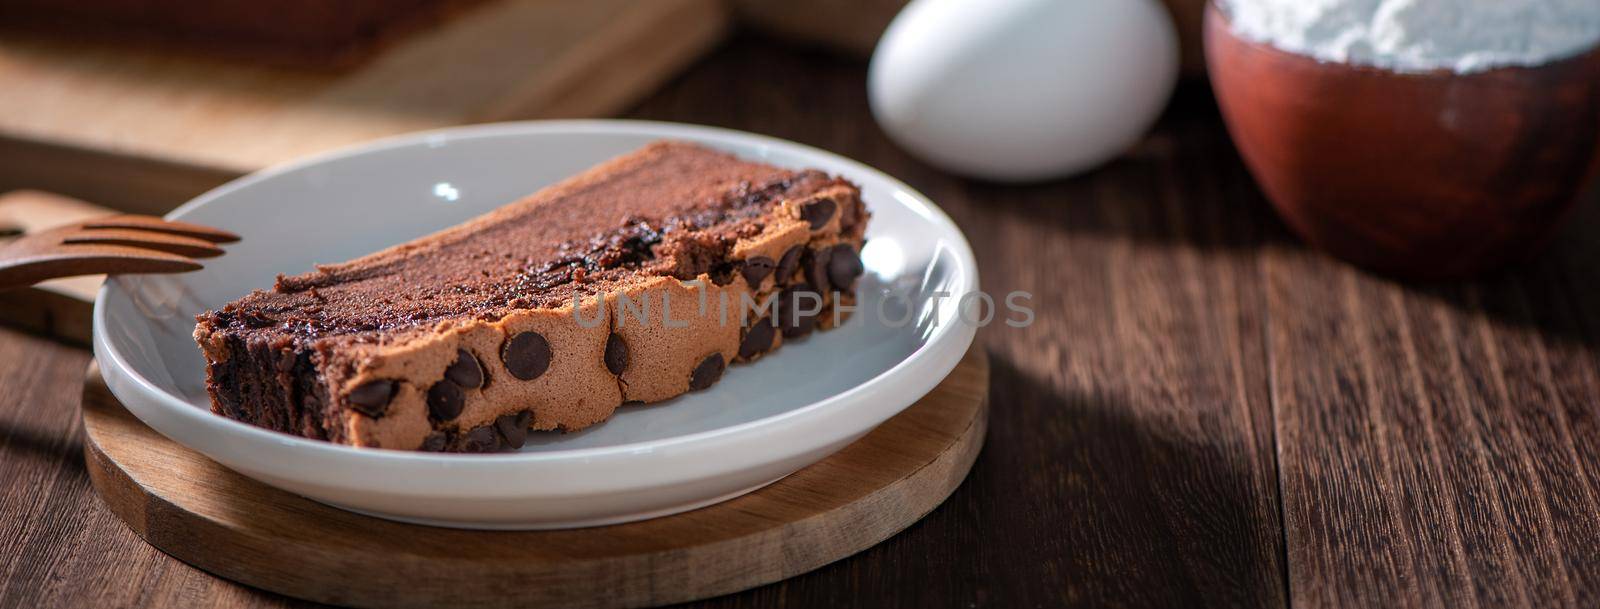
[(1205, 412)]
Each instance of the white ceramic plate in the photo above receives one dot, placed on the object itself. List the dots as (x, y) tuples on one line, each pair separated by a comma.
[(760, 423)]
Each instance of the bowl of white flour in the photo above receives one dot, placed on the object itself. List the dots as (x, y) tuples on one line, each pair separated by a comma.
[(1461, 36), (1423, 138)]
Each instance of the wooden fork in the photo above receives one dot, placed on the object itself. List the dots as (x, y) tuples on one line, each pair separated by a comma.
[(108, 245)]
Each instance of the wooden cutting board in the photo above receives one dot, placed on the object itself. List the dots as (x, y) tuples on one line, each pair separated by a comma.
[(199, 512), (144, 129)]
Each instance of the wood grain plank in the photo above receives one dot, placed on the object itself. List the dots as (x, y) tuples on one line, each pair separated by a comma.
[(1432, 446), (59, 546), (117, 181)]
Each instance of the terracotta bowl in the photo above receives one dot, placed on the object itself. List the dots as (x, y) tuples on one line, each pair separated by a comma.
[(1427, 175)]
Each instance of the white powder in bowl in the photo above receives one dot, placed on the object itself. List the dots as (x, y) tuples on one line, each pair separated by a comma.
[(1422, 35)]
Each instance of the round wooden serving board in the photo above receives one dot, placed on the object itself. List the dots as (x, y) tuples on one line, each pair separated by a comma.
[(206, 515)]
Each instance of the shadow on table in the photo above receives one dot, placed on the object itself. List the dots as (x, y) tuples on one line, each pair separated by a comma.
[(1186, 190), (19, 442), (1076, 500), (1182, 186), (1102, 498), (1555, 294)]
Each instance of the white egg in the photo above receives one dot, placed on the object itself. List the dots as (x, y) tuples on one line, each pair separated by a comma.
[(1023, 90)]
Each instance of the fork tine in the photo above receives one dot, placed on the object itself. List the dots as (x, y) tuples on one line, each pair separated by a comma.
[(165, 242), (90, 259), (151, 259), (152, 223)]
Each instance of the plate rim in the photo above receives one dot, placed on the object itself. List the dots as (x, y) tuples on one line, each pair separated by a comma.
[(953, 337)]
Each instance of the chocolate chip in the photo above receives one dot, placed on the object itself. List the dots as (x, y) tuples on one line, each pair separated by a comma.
[(435, 442), (818, 212), (722, 274), (815, 263), (527, 355), (445, 400), (616, 354), (757, 339), (513, 428), (844, 266), (481, 440), (756, 269), (788, 264), (707, 373), (372, 397), (792, 320), (465, 371), (849, 216)]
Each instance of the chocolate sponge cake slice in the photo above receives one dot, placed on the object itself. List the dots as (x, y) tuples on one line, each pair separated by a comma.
[(638, 280)]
